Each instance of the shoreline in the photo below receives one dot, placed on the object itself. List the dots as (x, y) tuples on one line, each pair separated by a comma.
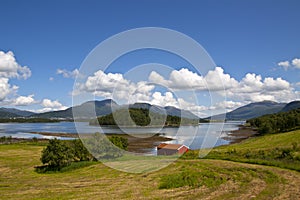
[(142, 143), (239, 135), (145, 143)]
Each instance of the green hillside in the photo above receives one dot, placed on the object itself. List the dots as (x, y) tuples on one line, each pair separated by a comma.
[(280, 150)]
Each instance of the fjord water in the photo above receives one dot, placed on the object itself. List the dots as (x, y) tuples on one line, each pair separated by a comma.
[(203, 136)]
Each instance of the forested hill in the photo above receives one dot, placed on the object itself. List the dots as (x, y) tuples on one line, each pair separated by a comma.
[(141, 117), (276, 123)]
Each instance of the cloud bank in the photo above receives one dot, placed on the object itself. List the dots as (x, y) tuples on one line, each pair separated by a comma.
[(251, 88)]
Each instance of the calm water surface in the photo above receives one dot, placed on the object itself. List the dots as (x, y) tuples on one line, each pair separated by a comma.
[(202, 136)]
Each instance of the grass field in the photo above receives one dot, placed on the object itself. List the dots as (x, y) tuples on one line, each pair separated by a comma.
[(183, 179), (281, 150)]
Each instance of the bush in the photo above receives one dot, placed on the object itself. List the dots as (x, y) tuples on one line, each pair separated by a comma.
[(59, 154), (103, 148), (119, 142), (80, 152)]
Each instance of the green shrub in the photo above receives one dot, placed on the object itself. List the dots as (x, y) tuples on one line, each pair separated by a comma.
[(102, 148), (80, 152), (119, 142), (57, 154)]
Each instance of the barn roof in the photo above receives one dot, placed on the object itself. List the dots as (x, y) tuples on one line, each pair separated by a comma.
[(170, 146)]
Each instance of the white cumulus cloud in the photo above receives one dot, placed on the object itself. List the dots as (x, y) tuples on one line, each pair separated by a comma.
[(217, 80), (6, 88), (185, 79), (166, 99), (252, 87), (296, 63), (24, 100), (9, 67), (114, 85), (49, 105), (68, 74), (284, 64)]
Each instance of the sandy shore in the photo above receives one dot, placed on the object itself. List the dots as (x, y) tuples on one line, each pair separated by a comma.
[(67, 135), (239, 135)]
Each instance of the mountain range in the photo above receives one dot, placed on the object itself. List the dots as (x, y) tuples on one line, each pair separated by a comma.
[(12, 112), (99, 108), (104, 107), (257, 109)]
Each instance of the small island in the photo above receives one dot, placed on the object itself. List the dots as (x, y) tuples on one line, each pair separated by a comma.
[(134, 117)]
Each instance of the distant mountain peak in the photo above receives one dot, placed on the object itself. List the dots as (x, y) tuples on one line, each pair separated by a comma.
[(252, 110), (291, 106), (105, 101)]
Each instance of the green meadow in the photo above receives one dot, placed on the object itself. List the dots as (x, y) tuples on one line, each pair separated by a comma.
[(265, 167)]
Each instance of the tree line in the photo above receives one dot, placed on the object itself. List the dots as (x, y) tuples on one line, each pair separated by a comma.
[(28, 120), (276, 123)]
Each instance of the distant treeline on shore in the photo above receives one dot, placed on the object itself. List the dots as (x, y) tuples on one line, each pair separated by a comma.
[(28, 120), (276, 123)]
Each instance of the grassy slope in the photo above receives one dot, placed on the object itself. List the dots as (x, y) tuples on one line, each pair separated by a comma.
[(281, 150), (207, 179)]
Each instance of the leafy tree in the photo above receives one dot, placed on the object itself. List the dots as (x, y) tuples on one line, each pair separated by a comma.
[(57, 154), (80, 152)]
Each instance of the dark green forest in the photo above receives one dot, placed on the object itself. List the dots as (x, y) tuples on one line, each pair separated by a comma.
[(276, 123), (141, 117)]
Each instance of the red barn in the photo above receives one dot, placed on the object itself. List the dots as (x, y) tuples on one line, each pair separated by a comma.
[(170, 149)]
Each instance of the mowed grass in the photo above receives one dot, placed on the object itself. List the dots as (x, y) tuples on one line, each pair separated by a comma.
[(183, 179)]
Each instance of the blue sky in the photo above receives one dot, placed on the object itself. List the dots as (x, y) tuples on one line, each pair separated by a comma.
[(241, 37)]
